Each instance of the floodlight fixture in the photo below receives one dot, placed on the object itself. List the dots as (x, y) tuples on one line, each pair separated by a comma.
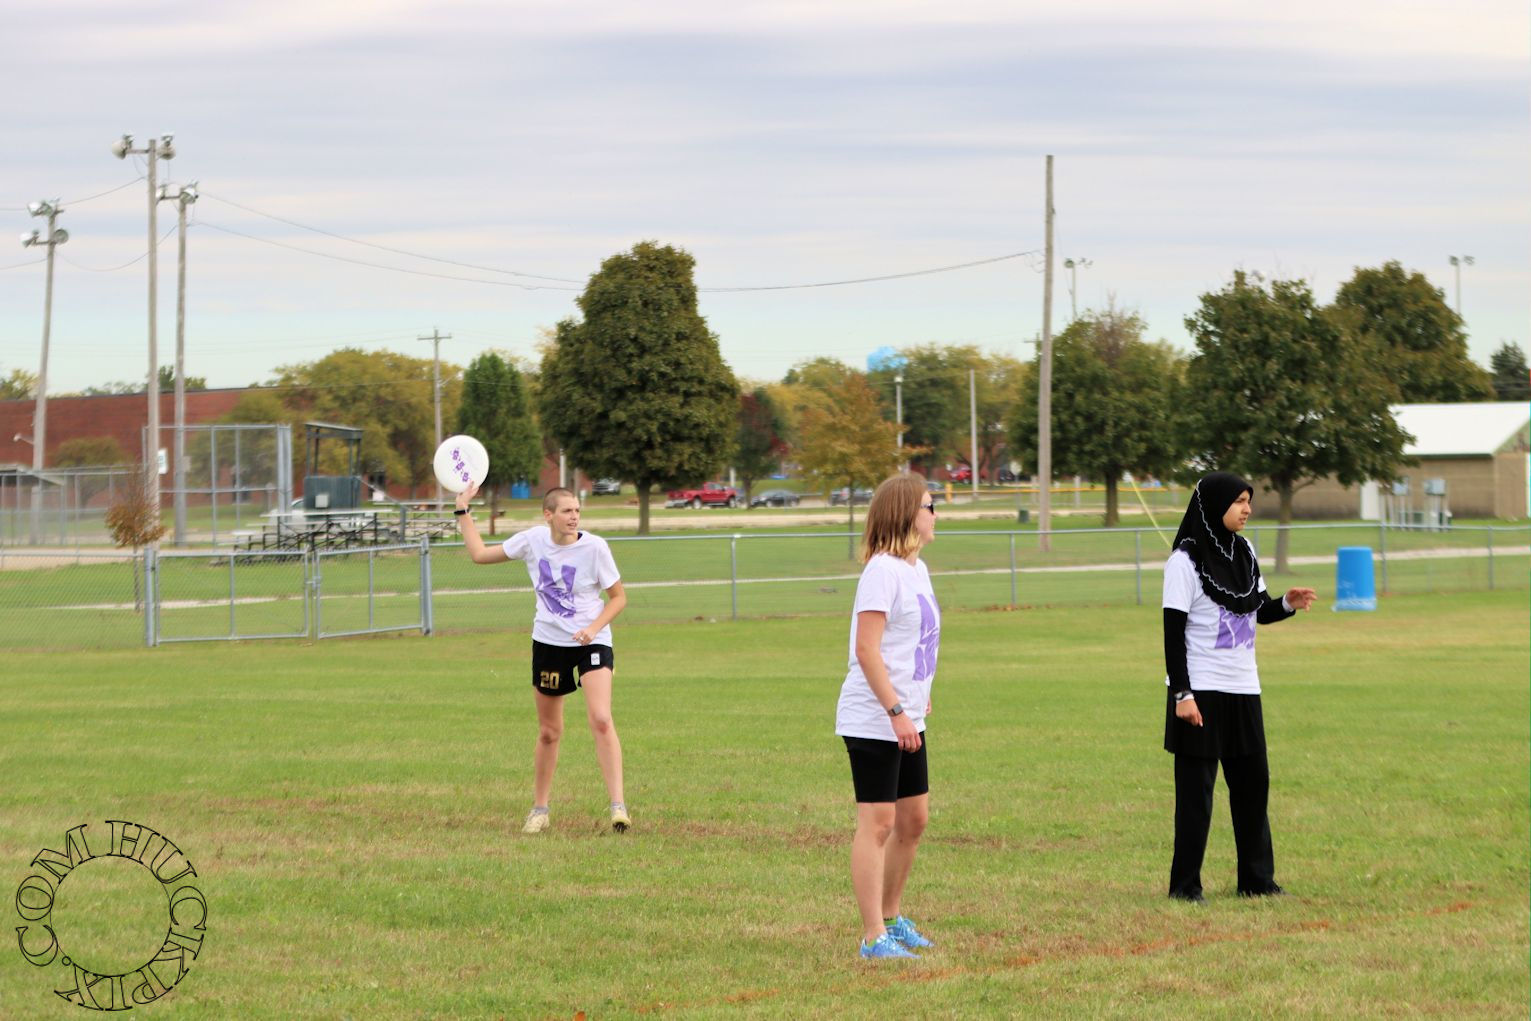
[(60, 235), (122, 147), (42, 207), (28, 240), (166, 147)]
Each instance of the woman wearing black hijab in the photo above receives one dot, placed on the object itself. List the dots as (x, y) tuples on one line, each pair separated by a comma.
[(1213, 598)]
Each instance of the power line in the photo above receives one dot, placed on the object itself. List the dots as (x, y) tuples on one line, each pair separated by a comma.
[(377, 265), (387, 248), (108, 191), (113, 269), (18, 265), (868, 280)]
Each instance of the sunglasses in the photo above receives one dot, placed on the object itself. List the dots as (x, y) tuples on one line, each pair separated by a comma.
[(930, 507)]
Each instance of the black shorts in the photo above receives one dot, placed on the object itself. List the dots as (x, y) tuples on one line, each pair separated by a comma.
[(881, 772), (556, 668)]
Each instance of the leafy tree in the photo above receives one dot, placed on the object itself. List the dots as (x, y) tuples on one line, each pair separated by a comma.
[(167, 380), (806, 385), (1113, 403), (116, 388), (496, 411), (850, 443), (1420, 341), (638, 388), (1279, 390), (1511, 381), (18, 385), (386, 395), (758, 443), (935, 392)]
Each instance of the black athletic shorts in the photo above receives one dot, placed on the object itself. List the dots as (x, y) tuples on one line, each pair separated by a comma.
[(556, 668), (881, 772)]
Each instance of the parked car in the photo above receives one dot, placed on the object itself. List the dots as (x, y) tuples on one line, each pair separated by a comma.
[(1007, 477), (605, 487), (840, 497), (937, 491), (775, 498), (710, 495), (962, 473)]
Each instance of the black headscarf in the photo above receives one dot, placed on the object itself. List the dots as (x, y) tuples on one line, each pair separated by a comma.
[(1224, 561)]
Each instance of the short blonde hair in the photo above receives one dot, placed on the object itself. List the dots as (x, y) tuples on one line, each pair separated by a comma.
[(552, 496), (890, 524)]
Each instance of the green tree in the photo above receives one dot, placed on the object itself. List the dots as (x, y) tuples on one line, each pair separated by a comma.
[(1112, 406), (167, 380), (1279, 390), (90, 452), (1511, 381), (638, 389), (758, 443), (386, 395), (496, 411), (1419, 340), (18, 385), (935, 392), (806, 385), (849, 443)]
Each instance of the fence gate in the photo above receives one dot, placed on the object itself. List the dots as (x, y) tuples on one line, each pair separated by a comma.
[(232, 596)]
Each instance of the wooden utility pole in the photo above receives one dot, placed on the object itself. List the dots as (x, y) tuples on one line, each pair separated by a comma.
[(436, 338), (1045, 387)]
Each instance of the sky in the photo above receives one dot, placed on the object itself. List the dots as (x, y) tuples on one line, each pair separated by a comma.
[(784, 143)]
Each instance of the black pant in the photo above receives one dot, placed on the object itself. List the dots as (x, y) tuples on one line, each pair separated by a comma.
[(1249, 782)]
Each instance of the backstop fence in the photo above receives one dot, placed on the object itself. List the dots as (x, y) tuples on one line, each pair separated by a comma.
[(93, 599)]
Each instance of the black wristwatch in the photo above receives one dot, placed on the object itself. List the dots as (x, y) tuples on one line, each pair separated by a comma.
[(1181, 696), (460, 511), (896, 709)]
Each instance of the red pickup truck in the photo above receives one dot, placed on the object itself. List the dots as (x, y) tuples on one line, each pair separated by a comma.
[(710, 495)]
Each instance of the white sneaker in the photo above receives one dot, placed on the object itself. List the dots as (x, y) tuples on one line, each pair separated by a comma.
[(536, 822), (620, 821)]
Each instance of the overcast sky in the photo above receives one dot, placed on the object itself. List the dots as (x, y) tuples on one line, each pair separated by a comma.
[(780, 143)]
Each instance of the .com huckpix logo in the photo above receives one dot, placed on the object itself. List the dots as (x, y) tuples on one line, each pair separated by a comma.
[(164, 861)]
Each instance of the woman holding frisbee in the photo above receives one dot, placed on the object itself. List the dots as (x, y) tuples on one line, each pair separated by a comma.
[(895, 636), (1213, 598), (571, 636)]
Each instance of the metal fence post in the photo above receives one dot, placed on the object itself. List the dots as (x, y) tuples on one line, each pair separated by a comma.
[(1137, 560), (233, 630), (1490, 531), (316, 587), (733, 574), (427, 623), (1013, 601), (371, 589), (151, 596), (1382, 548)]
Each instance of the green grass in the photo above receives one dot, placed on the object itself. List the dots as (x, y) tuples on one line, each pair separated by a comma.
[(352, 810)]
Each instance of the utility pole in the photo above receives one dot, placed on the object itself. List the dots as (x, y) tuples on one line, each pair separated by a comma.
[(157, 149), (1457, 261), (973, 429), (185, 196), (1073, 266), (1045, 386), (436, 338), (898, 415), (55, 237)]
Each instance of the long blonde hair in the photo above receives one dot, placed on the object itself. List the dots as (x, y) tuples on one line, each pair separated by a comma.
[(890, 523)]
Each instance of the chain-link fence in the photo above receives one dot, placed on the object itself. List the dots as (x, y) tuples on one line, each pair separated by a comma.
[(97, 600)]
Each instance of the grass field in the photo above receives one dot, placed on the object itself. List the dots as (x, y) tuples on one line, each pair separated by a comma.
[(352, 811)]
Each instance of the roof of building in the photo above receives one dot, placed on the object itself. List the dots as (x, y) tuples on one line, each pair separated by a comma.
[(1456, 430)]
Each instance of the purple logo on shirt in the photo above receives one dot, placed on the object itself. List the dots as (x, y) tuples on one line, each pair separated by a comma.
[(930, 641), (559, 601), (1234, 630)]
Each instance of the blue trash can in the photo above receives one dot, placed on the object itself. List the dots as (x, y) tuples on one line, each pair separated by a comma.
[(520, 491), (1354, 586)]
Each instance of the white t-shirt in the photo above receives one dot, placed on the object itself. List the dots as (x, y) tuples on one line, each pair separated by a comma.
[(1219, 644), (569, 581), (910, 642)]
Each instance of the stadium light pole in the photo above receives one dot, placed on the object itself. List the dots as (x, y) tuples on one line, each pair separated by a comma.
[(55, 237), (1045, 384), (156, 149), (182, 197), (436, 338), (1074, 266), (1456, 262), (898, 417)]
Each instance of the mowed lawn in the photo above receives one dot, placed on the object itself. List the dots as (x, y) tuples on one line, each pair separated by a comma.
[(353, 808)]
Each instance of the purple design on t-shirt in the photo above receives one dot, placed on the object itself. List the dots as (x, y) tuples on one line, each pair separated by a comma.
[(559, 601), (1234, 630), (930, 641)]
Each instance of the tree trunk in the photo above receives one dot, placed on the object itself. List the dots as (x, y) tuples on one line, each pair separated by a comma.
[(749, 485), (494, 506), (1283, 518), (643, 506), (1113, 483)]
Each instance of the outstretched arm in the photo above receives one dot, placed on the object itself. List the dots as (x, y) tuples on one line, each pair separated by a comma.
[(479, 553)]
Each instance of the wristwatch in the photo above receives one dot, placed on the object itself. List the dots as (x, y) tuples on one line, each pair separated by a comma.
[(896, 709), (1181, 696)]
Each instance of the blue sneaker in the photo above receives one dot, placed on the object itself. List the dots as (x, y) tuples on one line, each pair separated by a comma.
[(885, 946), (903, 930)]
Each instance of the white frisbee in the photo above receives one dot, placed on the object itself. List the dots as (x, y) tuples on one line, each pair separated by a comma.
[(460, 461)]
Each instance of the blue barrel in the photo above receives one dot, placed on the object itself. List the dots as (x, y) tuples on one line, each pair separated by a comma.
[(1354, 586), (520, 491)]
